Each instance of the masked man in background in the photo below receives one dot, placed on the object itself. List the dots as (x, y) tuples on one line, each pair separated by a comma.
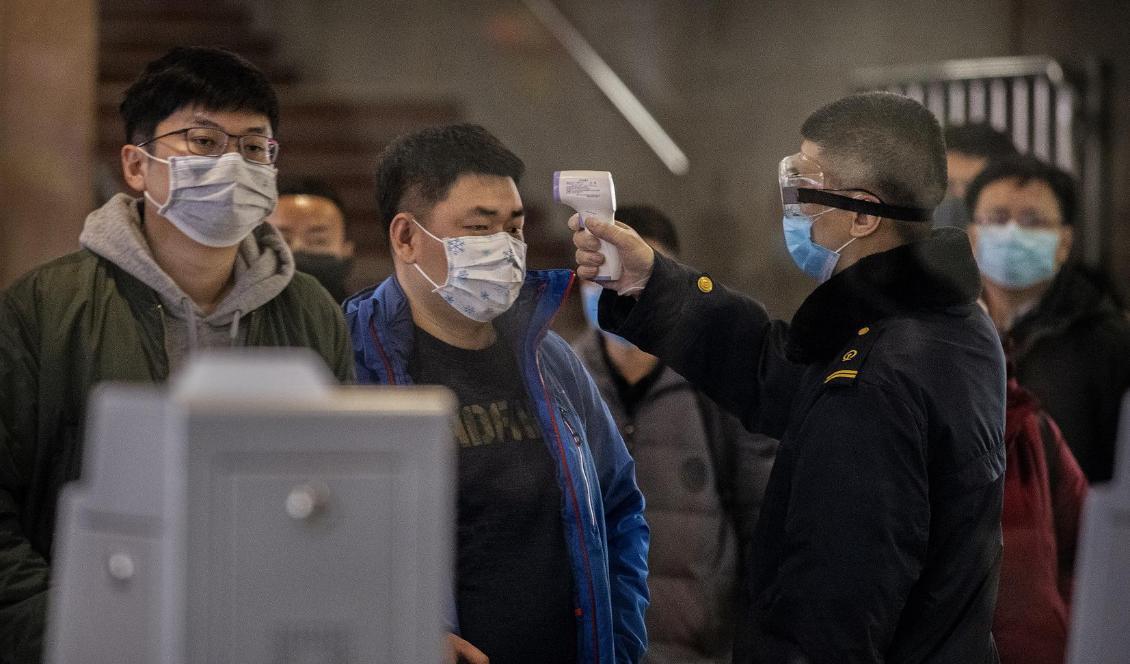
[(311, 218), (1063, 324), (702, 474)]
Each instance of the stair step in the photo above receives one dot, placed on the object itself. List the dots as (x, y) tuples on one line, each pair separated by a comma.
[(256, 48), (162, 29), (124, 64), (214, 11)]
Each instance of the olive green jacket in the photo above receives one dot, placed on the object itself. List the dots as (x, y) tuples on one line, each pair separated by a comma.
[(64, 327)]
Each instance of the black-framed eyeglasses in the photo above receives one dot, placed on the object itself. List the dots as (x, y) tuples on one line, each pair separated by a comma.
[(212, 142)]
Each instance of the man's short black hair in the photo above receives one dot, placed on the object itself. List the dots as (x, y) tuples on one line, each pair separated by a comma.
[(887, 144), (310, 187), (418, 169), (651, 224), (211, 78), (979, 140), (1026, 168)]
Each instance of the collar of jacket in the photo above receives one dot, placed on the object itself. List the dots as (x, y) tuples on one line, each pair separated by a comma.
[(1078, 293), (382, 327), (935, 273)]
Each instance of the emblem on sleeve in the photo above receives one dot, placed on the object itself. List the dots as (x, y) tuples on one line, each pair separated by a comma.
[(844, 376)]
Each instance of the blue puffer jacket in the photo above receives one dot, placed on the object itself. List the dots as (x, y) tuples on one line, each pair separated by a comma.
[(602, 510)]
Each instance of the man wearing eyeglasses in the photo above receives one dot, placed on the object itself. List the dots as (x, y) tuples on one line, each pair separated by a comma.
[(880, 537), (188, 265), (1063, 323)]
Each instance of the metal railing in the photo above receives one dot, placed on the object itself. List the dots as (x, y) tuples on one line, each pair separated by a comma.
[(1050, 111)]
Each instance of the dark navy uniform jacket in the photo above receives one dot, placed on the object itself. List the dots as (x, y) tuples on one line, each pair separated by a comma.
[(880, 536)]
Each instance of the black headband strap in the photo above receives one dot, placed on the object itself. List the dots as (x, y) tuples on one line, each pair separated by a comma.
[(792, 195)]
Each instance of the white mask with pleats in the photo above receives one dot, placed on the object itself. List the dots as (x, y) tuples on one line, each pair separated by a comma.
[(484, 273)]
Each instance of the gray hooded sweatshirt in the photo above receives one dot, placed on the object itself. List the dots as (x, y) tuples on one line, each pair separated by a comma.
[(263, 268)]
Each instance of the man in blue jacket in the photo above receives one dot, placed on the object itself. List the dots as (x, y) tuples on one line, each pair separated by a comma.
[(551, 543)]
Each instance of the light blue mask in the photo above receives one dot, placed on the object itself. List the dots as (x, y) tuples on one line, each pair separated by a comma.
[(590, 298), (1015, 257), (814, 260)]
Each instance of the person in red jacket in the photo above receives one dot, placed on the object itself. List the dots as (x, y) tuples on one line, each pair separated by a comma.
[(1043, 496)]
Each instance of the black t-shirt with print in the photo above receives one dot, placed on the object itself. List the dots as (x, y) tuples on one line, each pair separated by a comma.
[(514, 589)]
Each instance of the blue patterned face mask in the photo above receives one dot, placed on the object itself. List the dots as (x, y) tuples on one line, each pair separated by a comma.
[(814, 260), (484, 273), (1015, 257)]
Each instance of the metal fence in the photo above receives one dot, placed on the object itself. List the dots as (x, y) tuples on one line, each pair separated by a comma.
[(1050, 111)]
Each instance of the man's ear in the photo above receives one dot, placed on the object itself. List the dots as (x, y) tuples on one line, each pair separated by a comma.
[(133, 167), (401, 230), (1066, 243), (865, 224)]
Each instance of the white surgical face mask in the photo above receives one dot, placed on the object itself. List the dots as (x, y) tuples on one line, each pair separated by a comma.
[(484, 273), (217, 201)]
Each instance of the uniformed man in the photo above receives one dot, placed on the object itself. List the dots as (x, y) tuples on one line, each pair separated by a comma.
[(880, 536)]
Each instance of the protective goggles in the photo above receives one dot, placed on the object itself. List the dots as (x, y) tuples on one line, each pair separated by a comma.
[(802, 182)]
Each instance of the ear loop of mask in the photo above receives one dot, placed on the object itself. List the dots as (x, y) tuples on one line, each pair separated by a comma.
[(435, 286), (845, 244), (169, 195), (856, 238)]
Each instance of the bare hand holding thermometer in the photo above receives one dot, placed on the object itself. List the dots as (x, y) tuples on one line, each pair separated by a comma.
[(591, 194)]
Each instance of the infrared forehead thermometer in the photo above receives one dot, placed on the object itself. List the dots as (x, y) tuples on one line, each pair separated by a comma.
[(591, 194)]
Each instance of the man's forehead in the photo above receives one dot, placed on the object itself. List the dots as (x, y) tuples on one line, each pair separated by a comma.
[(309, 202), (308, 210), (231, 121), (817, 159), (474, 190), (1032, 190), (479, 182), (811, 150)]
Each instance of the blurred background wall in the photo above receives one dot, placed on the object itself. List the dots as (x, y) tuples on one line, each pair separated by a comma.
[(48, 50), (730, 80)]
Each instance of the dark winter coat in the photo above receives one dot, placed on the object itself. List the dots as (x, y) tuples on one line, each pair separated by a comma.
[(880, 535), (1073, 352), (63, 328), (703, 476)]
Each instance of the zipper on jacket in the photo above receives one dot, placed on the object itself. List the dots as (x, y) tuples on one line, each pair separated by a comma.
[(549, 403), (579, 444), (164, 336), (381, 351)]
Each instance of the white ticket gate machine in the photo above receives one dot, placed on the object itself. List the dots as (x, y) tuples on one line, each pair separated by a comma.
[(253, 512), (1100, 608)]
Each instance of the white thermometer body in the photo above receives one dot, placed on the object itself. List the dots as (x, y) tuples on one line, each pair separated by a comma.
[(591, 194)]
